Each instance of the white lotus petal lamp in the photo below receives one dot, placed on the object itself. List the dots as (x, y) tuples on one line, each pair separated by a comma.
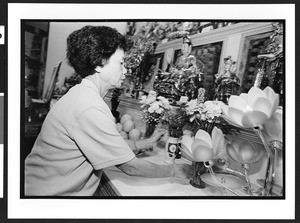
[(206, 148), (245, 153), (186, 147), (273, 127), (253, 110)]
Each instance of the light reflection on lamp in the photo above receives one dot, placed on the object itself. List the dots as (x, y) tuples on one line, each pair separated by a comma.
[(245, 153)]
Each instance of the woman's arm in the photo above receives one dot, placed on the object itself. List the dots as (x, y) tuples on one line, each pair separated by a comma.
[(144, 168)]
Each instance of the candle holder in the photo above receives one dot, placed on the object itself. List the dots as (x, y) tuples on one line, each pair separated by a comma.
[(196, 180)]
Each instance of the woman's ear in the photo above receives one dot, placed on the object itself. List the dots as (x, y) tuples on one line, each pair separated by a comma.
[(98, 69)]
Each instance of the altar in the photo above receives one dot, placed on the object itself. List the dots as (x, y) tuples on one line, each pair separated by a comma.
[(115, 183)]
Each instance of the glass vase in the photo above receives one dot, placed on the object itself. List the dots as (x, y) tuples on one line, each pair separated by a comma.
[(150, 128)]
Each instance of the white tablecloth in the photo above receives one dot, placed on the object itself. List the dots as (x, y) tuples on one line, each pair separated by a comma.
[(125, 185)]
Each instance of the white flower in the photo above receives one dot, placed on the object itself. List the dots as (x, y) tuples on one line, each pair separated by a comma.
[(154, 107), (192, 104), (150, 100), (213, 108), (192, 118), (159, 110), (203, 117), (164, 101), (150, 109), (143, 99), (209, 116), (152, 93)]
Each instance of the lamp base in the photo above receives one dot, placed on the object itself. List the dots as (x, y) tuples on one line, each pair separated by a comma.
[(196, 180)]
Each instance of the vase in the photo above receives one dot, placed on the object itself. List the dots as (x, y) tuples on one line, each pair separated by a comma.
[(176, 132), (196, 180), (150, 127), (171, 149)]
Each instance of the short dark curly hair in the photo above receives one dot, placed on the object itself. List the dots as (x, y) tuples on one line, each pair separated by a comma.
[(90, 45)]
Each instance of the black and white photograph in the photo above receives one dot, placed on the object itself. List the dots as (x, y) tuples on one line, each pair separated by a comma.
[(171, 116), (156, 111)]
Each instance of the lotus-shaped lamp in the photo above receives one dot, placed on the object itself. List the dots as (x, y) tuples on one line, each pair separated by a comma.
[(244, 152), (251, 109), (186, 147), (273, 127), (205, 147)]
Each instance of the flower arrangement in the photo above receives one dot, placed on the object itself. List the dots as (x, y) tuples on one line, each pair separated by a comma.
[(208, 111), (206, 115), (153, 107)]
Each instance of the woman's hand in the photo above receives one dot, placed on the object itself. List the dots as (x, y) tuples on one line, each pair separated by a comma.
[(149, 143), (156, 136)]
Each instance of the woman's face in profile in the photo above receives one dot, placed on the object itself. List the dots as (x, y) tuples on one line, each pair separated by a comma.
[(113, 72)]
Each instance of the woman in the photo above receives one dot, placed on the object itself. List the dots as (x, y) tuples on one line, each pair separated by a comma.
[(79, 136)]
